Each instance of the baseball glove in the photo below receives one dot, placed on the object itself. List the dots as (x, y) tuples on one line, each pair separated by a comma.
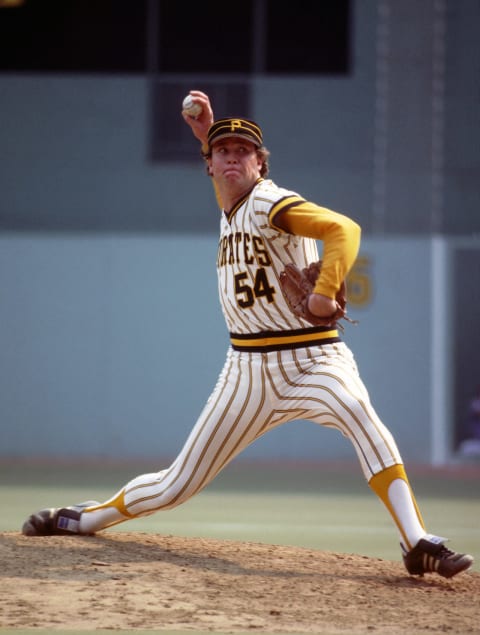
[(297, 285)]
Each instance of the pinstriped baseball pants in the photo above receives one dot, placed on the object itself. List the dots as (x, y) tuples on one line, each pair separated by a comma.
[(256, 392)]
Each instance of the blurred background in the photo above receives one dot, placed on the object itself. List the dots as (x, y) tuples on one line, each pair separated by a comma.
[(111, 336)]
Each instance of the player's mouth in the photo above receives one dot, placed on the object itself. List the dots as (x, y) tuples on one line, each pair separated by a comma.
[(230, 171)]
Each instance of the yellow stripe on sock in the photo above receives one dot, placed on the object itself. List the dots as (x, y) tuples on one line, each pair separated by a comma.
[(380, 484), (117, 501)]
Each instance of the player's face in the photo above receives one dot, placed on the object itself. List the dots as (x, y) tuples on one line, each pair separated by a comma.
[(234, 163)]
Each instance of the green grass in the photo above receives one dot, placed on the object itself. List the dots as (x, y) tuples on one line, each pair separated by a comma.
[(326, 508)]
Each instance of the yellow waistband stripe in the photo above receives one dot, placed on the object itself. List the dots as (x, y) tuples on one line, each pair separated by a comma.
[(283, 339)]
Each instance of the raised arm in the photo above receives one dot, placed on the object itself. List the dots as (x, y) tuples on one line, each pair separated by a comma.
[(203, 121), (200, 125)]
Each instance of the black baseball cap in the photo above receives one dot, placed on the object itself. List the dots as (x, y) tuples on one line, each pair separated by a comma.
[(235, 127)]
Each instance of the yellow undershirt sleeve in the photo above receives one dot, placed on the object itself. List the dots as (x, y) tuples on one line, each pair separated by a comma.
[(339, 233), (217, 195), (204, 152)]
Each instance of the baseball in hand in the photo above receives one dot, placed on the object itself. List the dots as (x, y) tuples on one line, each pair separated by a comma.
[(190, 107)]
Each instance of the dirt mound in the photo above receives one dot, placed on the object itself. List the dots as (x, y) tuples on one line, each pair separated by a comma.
[(148, 581)]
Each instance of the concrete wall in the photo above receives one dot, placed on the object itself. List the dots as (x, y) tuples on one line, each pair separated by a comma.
[(94, 361), (395, 144), (106, 353)]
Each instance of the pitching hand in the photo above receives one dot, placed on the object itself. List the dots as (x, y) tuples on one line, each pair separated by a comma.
[(202, 123)]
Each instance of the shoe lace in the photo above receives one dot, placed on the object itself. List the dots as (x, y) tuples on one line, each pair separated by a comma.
[(445, 553)]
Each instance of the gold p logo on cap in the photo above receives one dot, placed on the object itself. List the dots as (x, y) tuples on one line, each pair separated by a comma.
[(235, 127)]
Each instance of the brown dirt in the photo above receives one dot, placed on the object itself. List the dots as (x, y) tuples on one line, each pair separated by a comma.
[(128, 581)]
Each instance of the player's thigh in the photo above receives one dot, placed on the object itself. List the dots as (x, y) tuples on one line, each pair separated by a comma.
[(325, 385), (232, 418)]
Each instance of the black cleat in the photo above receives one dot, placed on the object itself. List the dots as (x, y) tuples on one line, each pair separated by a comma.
[(63, 521), (431, 556)]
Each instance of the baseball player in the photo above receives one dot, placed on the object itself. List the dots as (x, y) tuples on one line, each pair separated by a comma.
[(285, 361)]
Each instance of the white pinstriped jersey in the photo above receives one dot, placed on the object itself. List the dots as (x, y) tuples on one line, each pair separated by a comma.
[(277, 369), (251, 255)]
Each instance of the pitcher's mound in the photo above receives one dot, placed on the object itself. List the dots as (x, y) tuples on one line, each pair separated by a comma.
[(125, 581)]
